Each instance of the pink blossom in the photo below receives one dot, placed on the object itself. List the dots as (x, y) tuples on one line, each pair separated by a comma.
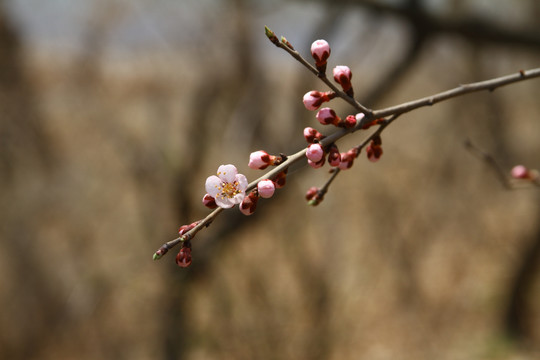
[(228, 188), (266, 188), (259, 160), (315, 152), (320, 50)]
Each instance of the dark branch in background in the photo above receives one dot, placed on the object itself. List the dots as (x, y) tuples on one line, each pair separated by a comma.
[(471, 28), (491, 162)]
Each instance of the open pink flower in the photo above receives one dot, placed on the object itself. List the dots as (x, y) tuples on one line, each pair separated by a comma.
[(228, 187)]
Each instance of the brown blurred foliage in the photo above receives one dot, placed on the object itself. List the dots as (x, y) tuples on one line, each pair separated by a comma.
[(422, 255)]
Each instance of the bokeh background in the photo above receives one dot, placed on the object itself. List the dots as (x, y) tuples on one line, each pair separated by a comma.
[(113, 113)]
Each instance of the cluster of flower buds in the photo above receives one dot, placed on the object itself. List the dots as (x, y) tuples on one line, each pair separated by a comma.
[(260, 160), (327, 116), (265, 189), (228, 187)]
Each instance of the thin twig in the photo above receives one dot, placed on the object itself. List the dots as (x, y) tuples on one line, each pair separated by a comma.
[(490, 85)]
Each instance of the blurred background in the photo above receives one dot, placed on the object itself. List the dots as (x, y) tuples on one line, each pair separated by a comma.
[(114, 112)]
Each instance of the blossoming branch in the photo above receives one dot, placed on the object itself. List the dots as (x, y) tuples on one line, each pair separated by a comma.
[(227, 188)]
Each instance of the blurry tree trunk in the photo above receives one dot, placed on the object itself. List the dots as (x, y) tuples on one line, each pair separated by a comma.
[(517, 316), (26, 157), (23, 139)]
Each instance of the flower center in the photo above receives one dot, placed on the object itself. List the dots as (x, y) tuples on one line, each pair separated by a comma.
[(229, 189)]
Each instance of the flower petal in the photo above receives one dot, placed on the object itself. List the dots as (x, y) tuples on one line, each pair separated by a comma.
[(237, 199), (242, 182), (227, 173), (225, 202), (212, 185)]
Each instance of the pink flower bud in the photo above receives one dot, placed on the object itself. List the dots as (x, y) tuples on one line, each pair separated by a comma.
[(334, 157), (266, 188), (315, 152), (209, 202), (260, 160), (520, 172), (310, 134), (343, 75), (374, 150), (249, 204), (347, 159), (327, 116), (320, 50), (313, 99), (349, 122)]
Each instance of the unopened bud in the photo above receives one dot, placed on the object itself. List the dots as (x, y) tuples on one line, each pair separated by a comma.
[(249, 204), (315, 152), (314, 99), (260, 160), (281, 179), (209, 201), (327, 116), (310, 134), (183, 258), (343, 75), (334, 157), (320, 50), (520, 172), (347, 159), (314, 196), (266, 188)]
